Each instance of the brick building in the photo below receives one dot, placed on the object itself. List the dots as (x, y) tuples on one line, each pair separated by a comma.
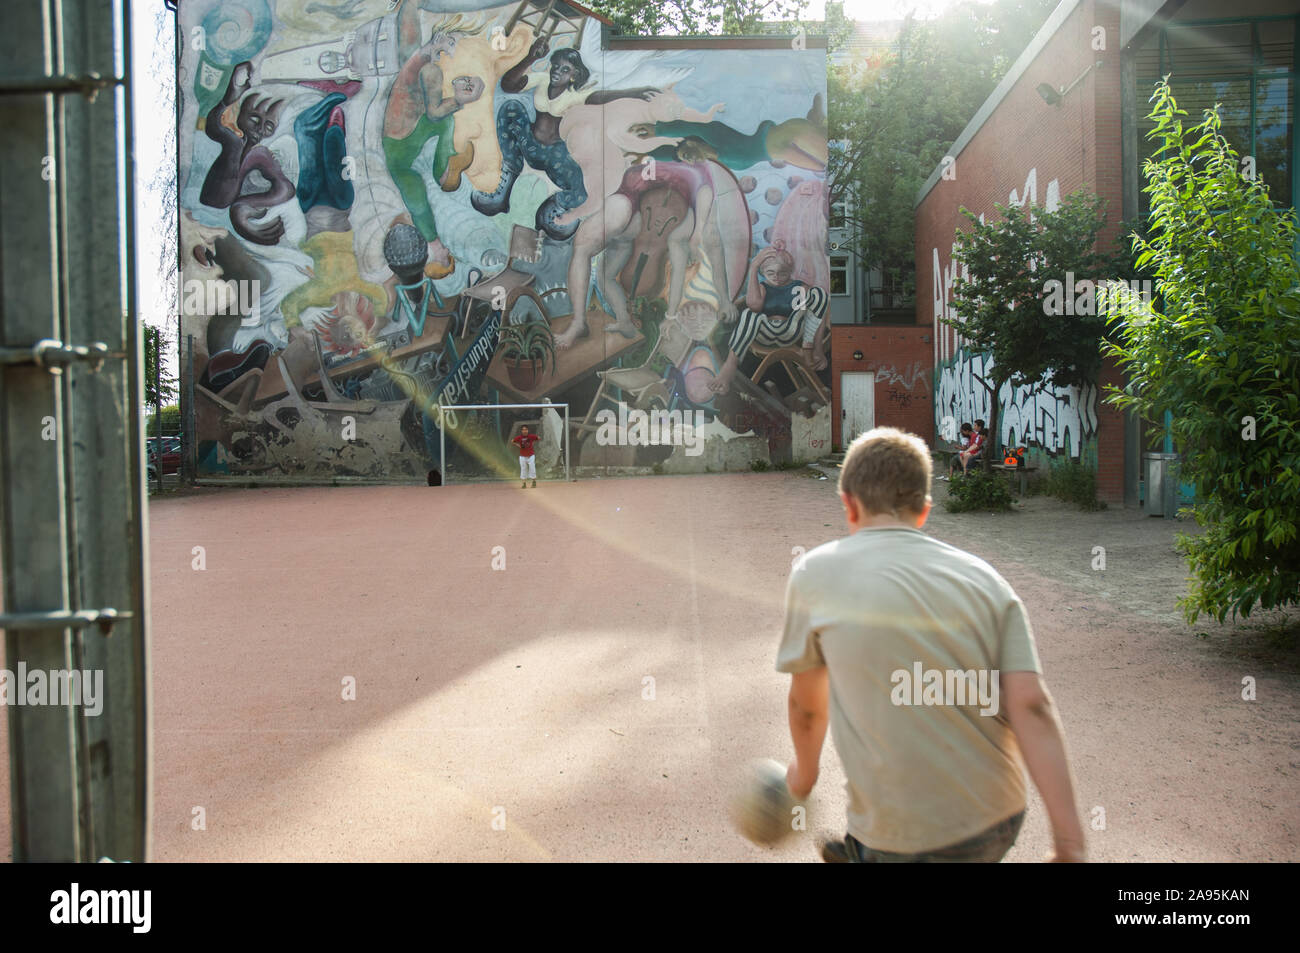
[(1070, 114)]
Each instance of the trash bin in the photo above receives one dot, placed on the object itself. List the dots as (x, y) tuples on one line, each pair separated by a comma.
[(1161, 498)]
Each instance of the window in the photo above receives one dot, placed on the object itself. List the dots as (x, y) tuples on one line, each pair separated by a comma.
[(1247, 68), (839, 275)]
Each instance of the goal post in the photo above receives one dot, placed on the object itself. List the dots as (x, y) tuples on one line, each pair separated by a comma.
[(445, 416)]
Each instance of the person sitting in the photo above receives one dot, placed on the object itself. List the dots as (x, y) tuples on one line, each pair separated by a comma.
[(963, 442), (974, 448)]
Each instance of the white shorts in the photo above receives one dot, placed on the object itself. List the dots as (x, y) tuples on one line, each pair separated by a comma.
[(528, 467)]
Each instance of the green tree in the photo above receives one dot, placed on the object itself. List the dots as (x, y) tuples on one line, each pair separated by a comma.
[(1011, 298), (697, 17), (159, 384), (1221, 350), (899, 115)]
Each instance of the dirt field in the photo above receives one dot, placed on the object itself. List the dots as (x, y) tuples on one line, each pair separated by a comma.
[(598, 696)]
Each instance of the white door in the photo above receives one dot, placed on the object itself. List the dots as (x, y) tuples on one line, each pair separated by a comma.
[(857, 405)]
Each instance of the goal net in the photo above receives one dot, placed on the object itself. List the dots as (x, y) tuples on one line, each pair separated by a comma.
[(475, 442)]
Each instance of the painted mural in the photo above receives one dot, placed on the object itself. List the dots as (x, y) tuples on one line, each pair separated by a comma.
[(1051, 421), (393, 206)]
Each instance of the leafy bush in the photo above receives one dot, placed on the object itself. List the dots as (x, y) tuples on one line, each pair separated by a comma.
[(1074, 483), (978, 490), (759, 466), (171, 422), (1221, 350)]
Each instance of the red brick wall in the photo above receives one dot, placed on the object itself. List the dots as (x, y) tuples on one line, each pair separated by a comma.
[(1065, 147), (903, 362)]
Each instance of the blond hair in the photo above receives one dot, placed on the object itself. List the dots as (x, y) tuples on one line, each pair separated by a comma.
[(887, 471), (458, 23)]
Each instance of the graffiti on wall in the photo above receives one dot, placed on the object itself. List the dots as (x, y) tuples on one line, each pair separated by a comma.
[(1057, 419), (408, 203), (910, 378), (1053, 418)]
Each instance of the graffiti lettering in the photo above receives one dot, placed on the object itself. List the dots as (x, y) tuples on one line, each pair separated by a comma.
[(1058, 419), (908, 379)]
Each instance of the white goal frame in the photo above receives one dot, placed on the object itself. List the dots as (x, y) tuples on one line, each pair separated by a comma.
[(442, 430)]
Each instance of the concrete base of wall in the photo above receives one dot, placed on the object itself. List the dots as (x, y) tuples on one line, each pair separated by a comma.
[(810, 437)]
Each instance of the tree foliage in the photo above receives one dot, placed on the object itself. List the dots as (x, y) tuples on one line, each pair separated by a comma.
[(1221, 351), (696, 17), (158, 163), (898, 115), (1006, 303), (159, 384)]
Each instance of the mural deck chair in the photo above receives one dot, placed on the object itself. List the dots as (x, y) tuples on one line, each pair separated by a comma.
[(548, 19), (792, 362), (643, 386), (508, 285)]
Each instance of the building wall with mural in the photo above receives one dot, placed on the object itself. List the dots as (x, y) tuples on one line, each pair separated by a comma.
[(391, 207), (1027, 150)]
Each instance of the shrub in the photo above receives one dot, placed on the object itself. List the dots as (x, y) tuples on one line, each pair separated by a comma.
[(978, 490), (1220, 349), (171, 421), (759, 466), (1074, 483)]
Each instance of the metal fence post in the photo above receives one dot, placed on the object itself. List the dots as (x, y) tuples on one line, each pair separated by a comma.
[(72, 501)]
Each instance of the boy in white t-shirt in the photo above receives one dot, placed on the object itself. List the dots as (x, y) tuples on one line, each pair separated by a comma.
[(921, 659)]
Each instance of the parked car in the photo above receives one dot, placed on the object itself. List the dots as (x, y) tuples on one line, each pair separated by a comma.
[(164, 452)]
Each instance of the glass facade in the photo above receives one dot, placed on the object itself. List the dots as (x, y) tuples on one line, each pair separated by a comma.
[(1246, 66)]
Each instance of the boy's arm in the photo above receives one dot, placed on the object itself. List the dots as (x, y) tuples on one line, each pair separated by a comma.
[(1038, 731), (808, 707), (800, 655)]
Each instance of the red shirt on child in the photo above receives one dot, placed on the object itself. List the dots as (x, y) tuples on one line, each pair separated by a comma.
[(525, 442)]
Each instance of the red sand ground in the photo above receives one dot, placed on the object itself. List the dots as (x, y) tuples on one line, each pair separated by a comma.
[(521, 694)]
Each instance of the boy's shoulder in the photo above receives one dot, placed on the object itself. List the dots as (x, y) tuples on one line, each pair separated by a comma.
[(872, 548)]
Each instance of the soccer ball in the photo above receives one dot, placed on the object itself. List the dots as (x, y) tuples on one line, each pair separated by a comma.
[(762, 809)]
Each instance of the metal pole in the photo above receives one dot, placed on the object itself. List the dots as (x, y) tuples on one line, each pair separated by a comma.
[(567, 438), (190, 446), (71, 491), (442, 451), (157, 403)]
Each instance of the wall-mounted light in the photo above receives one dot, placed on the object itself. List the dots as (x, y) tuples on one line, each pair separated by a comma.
[(857, 355), (1053, 96)]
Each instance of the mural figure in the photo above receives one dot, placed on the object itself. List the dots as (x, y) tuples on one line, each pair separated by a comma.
[(539, 141), (231, 180), (779, 313), (800, 141), (599, 137), (418, 112)]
